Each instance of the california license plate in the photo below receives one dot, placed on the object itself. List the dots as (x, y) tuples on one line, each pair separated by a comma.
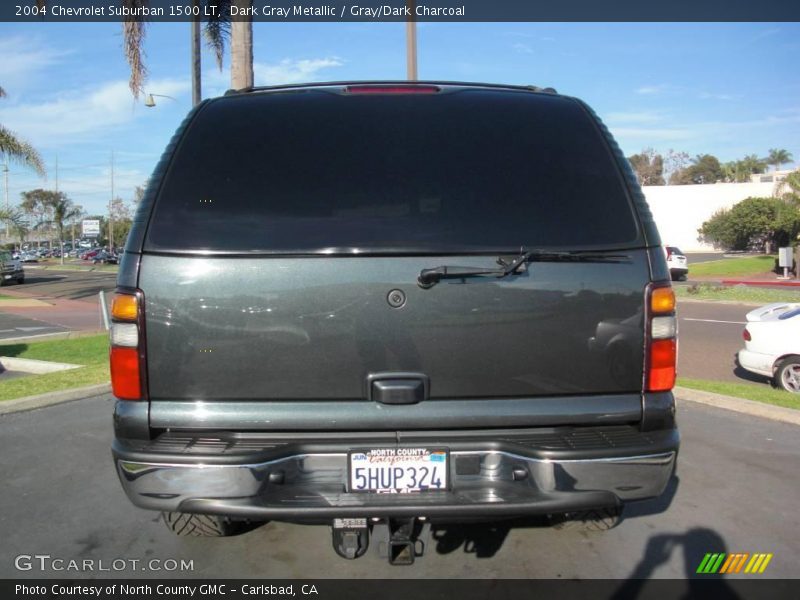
[(398, 470)]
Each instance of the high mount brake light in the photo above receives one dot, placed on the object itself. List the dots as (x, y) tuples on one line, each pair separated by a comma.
[(661, 353), (127, 354), (392, 89)]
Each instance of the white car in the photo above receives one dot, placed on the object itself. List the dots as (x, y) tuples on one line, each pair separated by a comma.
[(677, 263), (772, 344)]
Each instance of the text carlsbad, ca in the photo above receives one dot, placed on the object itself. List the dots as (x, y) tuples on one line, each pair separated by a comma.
[(166, 589), (342, 11)]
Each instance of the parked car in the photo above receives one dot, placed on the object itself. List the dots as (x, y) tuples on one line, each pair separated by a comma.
[(386, 314), (772, 344), (29, 257), (104, 257), (677, 263), (11, 269), (90, 254)]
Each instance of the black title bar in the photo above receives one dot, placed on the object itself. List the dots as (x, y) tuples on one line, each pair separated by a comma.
[(403, 10)]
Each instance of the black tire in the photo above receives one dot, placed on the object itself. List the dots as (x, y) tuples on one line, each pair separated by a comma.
[(787, 376), (191, 525), (21, 280), (599, 519)]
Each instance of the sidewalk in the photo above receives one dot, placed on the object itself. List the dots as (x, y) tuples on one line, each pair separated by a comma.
[(759, 279), (77, 315)]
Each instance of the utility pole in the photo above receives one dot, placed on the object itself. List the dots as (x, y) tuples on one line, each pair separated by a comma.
[(5, 174), (411, 42), (110, 206)]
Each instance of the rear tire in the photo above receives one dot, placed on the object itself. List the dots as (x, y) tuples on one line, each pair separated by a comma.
[(192, 525), (787, 377), (21, 280), (599, 519)]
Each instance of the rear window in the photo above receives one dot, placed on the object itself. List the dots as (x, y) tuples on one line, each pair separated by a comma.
[(318, 171)]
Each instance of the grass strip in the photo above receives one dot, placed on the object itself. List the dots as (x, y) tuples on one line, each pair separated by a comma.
[(756, 392), (733, 267), (737, 293), (90, 351)]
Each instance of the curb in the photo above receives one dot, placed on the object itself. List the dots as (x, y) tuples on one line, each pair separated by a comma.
[(43, 337), (51, 398), (740, 405), (791, 283)]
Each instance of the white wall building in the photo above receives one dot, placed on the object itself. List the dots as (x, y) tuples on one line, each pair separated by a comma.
[(680, 210)]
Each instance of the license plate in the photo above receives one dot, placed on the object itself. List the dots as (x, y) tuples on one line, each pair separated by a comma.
[(398, 470)]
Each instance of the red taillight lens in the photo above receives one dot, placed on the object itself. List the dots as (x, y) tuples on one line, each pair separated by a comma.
[(125, 376), (746, 335), (392, 89), (661, 372)]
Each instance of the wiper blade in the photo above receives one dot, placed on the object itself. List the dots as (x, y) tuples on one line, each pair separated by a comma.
[(429, 277)]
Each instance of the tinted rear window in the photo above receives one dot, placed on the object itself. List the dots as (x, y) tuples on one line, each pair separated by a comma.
[(318, 171)]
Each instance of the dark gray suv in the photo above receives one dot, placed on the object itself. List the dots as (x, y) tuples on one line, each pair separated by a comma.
[(385, 305)]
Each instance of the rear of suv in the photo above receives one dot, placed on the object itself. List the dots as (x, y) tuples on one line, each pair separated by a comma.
[(391, 304)]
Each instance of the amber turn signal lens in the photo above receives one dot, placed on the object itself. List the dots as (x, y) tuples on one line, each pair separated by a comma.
[(124, 307), (662, 300)]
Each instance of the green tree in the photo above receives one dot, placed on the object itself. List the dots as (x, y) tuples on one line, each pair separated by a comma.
[(648, 166), (56, 207), (778, 157), (121, 214), (17, 221), (705, 168), (739, 171), (17, 150), (753, 223)]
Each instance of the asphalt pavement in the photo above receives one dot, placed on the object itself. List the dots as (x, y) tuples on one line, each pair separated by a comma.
[(709, 336), (735, 490)]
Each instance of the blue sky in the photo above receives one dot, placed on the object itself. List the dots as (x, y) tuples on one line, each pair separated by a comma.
[(727, 89)]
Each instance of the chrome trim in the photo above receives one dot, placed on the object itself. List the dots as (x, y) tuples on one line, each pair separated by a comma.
[(318, 481)]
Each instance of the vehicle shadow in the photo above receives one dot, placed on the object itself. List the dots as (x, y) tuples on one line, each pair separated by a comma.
[(485, 539), (748, 375)]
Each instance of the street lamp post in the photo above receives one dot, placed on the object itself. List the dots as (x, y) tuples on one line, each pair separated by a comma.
[(150, 102), (411, 42)]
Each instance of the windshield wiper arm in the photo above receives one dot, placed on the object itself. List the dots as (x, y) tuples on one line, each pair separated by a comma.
[(429, 277)]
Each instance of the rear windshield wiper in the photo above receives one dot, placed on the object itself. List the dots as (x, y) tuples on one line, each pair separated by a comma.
[(429, 277)]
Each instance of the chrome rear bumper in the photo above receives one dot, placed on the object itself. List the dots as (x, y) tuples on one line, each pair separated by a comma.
[(309, 486)]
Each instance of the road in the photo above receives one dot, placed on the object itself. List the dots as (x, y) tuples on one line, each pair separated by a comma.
[(710, 335), (71, 285), (735, 491)]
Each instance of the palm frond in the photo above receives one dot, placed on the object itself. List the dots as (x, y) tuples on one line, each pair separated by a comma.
[(218, 28), (133, 30), (20, 151)]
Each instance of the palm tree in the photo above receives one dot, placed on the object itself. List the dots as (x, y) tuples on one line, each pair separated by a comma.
[(17, 150), (778, 157), (61, 207), (218, 30), (18, 222)]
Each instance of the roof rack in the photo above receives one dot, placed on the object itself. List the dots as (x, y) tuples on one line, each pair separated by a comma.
[(289, 86)]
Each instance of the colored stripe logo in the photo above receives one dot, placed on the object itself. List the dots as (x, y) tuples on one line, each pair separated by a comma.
[(739, 562)]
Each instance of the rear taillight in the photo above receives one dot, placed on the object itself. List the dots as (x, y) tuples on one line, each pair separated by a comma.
[(746, 335), (662, 345), (127, 347)]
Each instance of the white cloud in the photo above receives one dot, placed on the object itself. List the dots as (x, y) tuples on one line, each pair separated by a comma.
[(23, 58), (522, 48), (82, 115), (713, 96), (652, 89), (292, 71), (288, 70)]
